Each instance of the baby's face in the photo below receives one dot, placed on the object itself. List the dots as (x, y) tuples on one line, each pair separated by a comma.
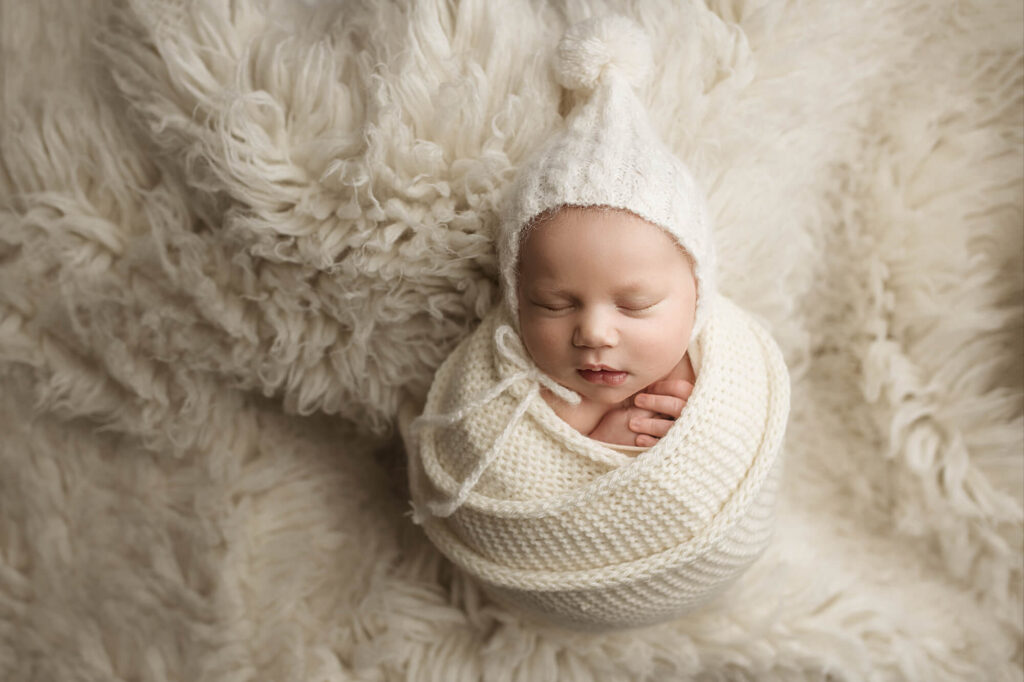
[(604, 289)]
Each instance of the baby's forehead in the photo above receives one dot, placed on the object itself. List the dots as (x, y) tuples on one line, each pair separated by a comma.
[(542, 239)]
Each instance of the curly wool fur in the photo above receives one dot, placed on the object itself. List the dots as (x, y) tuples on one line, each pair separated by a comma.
[(216, 218)]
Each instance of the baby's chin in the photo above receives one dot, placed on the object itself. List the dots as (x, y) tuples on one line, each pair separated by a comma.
[(610, 396)]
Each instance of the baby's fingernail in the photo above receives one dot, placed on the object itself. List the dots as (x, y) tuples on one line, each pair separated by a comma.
[(640, 399)]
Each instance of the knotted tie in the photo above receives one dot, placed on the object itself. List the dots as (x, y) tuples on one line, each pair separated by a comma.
[(511, 348)]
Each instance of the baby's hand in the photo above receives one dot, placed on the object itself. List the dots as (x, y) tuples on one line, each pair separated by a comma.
[(666, 399), (649, 418), (614, 425)]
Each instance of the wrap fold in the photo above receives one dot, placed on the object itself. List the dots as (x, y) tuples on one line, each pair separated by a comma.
[(572, 530)]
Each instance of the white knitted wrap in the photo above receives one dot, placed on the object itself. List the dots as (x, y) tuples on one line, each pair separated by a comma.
[(570, 530)]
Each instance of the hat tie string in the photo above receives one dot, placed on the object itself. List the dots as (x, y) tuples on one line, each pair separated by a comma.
[(511, 348)]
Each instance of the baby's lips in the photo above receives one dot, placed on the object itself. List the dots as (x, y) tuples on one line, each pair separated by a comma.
[(599, 367), (603, 377)]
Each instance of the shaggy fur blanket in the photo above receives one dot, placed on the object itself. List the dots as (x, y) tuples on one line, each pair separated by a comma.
[(234, 237)]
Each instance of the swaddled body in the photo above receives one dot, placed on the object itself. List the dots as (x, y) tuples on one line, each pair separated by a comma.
[(610, 318), (570, 529)]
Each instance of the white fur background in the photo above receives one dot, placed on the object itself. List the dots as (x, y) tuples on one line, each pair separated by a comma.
[(235, 236)]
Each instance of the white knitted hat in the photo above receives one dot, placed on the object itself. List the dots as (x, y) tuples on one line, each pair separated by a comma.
[(609, 155)]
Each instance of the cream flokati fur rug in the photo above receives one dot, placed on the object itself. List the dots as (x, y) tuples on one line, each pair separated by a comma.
[(232, 240)]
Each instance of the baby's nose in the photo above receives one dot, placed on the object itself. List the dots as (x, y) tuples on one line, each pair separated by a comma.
[(594, 330)]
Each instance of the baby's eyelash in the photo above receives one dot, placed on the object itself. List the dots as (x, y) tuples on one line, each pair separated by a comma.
[(568, 306), (551, 307), (638, 309)]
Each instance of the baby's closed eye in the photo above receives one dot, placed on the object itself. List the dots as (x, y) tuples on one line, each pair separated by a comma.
[(637, 306)]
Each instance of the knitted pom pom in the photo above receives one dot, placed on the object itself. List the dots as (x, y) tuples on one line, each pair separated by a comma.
[(588, 48)]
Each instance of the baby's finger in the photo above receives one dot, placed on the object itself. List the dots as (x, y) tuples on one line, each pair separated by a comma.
[(649, 426), (645, 441), (662, 404), (681, 388)]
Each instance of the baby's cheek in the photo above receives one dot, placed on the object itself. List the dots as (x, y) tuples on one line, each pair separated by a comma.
[(664, 352), (534, 334), (544, 341)]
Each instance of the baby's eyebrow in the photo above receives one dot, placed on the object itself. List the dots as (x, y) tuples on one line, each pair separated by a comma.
[(629, 288), (543, 288), (634, 287)]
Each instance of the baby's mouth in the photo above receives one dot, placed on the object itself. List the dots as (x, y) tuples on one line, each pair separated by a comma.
[(605, 377)]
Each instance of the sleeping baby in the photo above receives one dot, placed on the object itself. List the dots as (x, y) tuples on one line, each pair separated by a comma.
[(606, 305), (601, 452)]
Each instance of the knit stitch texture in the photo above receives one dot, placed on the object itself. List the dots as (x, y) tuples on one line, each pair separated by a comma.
[(576, 533)]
